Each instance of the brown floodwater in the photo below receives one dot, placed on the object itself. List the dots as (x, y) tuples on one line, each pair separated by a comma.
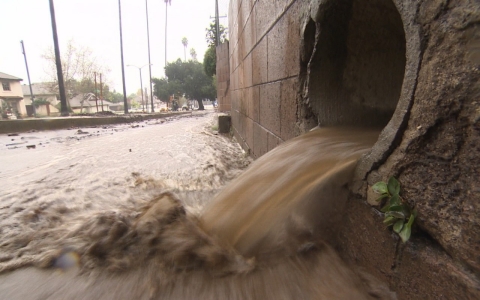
[(263, 236)]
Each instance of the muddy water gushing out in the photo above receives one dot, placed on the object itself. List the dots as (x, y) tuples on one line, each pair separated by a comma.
[(264, 236)]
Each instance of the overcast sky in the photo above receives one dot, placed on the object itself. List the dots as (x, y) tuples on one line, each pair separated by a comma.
[(95, 24)]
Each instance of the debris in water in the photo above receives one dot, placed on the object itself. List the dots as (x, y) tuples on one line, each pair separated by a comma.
[(66, 260), (13, 144), (265, 237)]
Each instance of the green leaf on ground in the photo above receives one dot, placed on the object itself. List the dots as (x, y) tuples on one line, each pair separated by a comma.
[(389, 220), (393, 186), (395, 200), (407, 229), (397, 227), (395, 214), (381, 197), (396, 208), (385, 208), (380, 188), (405, 233)]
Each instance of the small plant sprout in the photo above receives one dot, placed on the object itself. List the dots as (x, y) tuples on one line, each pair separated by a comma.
[(396, 210)]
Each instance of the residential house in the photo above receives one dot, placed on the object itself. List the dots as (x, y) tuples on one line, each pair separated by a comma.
[(85, 103), (116, 106), (42, 93), (11, 96)]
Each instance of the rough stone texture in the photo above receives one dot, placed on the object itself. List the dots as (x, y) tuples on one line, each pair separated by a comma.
[(224, 123), (288, 108), (409, 66), (223, 78), (260, 140), (259, 56), (253, 98), (419, 269), (437, 160), (270, 106), (264, 16), (259, 68), (284, 46)]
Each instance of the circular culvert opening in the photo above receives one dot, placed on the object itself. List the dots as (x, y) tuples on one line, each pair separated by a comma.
[(357, 69)]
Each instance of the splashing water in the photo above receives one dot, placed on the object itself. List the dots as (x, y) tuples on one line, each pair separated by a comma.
[(264, 236), (301, 185)]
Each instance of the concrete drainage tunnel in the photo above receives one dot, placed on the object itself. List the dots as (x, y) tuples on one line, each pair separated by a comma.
[(409, 70), (355, 57)]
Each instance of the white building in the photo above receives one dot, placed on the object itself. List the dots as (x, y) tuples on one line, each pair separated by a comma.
[(42, 91), (11, 96)]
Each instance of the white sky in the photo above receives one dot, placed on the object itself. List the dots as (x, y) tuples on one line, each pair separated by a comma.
[(95, 24)]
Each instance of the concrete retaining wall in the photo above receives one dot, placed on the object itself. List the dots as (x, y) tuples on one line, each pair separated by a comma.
[(223, 78), (8, 126), (264, 66)]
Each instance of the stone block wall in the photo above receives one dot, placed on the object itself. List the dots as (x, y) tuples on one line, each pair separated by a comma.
[(411, 67), (223, 78), (264, 47)]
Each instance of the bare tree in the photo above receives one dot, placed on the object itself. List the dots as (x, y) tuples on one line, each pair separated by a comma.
[(79, 68), (185, 44)]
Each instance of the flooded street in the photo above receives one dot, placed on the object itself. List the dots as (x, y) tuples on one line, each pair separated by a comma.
[(74, 174), (140, 212)]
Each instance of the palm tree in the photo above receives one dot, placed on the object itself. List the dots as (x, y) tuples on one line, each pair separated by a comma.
[(149, 61), (166, 10), (193, 54), (185, 44)]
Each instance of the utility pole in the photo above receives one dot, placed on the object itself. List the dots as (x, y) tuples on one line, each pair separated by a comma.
[(146, 94), (101, 90), (149, 62), (58, 62), (96, 93), (32, 97), (217, 25), (125, 104), (141, 82), (166, 10)]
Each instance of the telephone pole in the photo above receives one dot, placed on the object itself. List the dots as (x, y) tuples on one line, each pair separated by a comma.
[(32, 96), (58, 62), (125, 104), (149, 62)]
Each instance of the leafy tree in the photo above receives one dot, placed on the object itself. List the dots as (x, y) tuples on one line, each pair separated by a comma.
[(164, 88), (114, 97), (211, 34), (40, 101), (185, 78), (210, 58), (210, 61)]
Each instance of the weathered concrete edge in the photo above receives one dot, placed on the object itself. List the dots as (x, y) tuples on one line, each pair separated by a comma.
[(11, 126)]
